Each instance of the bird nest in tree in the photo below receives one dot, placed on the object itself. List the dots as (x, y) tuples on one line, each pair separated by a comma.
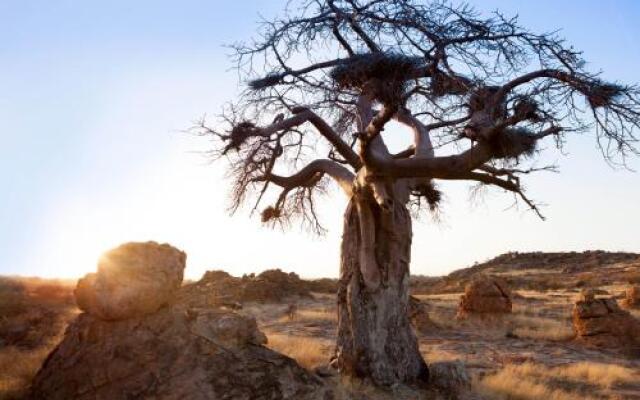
[(239, 134), (430, 192), (270, 213), (443, 84), (381, 74), (267, 81), (602, 94), (478, 99), (527, 109), (513, 143)]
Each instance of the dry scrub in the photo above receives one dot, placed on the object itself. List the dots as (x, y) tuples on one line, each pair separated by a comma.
[(531, 381), (538, 328), (17, 369), (313, 315), (308, 352), (33, 316)]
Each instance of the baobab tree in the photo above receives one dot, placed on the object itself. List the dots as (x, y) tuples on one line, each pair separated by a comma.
[(479, 93)]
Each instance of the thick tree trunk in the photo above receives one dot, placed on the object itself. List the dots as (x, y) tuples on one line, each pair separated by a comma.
[(375, 338)]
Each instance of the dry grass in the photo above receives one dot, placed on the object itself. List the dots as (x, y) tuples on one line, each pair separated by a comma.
[(538, 328), (432, 353), (603, 375), (504, 386), (530, 381), (17, 369), (313, 315), (33, 315), (308, 352)]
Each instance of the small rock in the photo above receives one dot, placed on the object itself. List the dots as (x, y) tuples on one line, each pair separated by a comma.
[(485, 295), (602, 323), (449, 376)]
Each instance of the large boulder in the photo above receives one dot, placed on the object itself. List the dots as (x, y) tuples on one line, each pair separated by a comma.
[(132, 280), (485, 295), (142, 335), (177, 352), (632, 297), (601, 323)]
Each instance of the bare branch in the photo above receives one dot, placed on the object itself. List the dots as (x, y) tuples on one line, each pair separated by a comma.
[(311, 174)]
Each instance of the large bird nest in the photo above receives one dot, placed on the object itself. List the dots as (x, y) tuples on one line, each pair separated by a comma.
[(479, 97), (513, 143), (270, 213), (443, 84), (384, 75), (239, 134), (603, 94), (430, 192)]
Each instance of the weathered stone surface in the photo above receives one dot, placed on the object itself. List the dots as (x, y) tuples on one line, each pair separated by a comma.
[(602, 323), (128, 346), (632, 297), (419, 316), (175, 353), (485, 295), (451, 377), (132, 280)]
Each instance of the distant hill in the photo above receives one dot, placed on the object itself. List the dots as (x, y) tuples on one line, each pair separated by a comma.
[(543, 271)]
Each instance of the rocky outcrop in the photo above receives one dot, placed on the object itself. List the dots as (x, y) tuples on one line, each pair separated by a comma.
[(602, 323), (220, 288), (175, 353), (485, 295), (419, 316), (133, 279), (632, 297), (146, 351)]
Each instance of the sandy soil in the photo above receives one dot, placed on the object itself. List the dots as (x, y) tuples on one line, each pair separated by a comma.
[(537, 339)]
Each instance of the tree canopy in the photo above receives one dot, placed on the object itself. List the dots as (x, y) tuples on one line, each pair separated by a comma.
[(479, 92)]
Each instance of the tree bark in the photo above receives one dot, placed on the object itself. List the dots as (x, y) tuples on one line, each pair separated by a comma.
[(375, 338)]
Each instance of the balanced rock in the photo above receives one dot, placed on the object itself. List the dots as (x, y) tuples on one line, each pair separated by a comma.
[(485, 295), (632, 297), (175, 353), (133, 279), (600, 322)]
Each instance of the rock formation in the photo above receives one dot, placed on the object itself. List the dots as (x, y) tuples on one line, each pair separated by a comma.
[(602, 323), (220, 288), (485, 295), (419, 316), (179, 351), (133, 279), (632, 297), (174, 353)]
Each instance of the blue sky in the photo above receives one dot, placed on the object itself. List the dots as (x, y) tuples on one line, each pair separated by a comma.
[(94, 97)]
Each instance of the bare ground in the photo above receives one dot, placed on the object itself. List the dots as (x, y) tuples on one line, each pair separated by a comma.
[(530, 354), (527, 355)]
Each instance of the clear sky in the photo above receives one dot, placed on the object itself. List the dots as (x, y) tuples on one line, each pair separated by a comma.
[(95, 95)]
